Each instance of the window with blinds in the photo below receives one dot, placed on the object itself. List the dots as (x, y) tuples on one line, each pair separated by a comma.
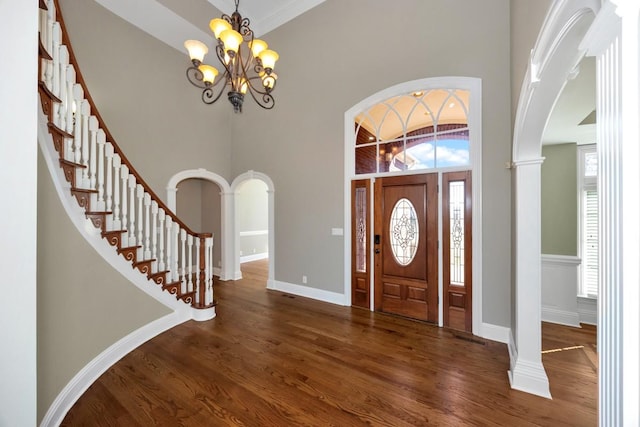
[(590, 243), (588, 220)]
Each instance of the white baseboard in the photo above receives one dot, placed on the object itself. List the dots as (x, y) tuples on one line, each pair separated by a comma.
[(561, 317), (588, 310), (254, 257), (495, 333), (306, 291), (87, 375)]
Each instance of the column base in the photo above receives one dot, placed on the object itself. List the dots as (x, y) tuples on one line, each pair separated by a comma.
[(529, 377)]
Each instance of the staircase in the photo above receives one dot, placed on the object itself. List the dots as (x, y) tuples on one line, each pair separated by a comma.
[(114, 198)]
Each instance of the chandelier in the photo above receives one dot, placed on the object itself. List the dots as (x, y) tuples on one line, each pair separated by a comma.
[(247, 64)]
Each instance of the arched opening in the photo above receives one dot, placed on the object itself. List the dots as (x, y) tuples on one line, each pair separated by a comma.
[(224, 207), (253, 207), (252, 221), (554, 60)]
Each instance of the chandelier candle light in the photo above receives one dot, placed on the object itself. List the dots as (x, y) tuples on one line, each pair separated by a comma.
[(248, 64)]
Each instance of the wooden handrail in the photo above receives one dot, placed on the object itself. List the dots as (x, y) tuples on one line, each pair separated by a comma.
[(94, 111)]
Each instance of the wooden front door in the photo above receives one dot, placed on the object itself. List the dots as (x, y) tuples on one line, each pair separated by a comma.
[(406, 246), (360, 243)]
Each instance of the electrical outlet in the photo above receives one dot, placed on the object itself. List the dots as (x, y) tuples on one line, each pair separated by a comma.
[(304, 279)]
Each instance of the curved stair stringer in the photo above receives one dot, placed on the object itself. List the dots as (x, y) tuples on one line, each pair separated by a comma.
[(92, 234)]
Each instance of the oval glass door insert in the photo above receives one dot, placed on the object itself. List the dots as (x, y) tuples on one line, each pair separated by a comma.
[(403, 232)]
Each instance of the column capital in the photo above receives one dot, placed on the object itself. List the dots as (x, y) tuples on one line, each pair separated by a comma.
[(528, 162)]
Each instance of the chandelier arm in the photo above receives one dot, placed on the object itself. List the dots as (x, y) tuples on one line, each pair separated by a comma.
[(220, 53), (194, 75), (260, 88), (267, 101), (209, 96)]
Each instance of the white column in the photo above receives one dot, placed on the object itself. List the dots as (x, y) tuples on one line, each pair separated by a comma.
[(18, 216), (614, 39), (527, 373), (227, 239)]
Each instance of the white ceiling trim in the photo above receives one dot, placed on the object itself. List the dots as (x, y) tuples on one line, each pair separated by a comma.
[(266, 15), (158, 21)]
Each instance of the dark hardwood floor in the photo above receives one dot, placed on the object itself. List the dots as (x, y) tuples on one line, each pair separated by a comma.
[(271, 359)]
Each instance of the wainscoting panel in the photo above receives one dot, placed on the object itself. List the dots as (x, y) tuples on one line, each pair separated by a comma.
[(560, 289)]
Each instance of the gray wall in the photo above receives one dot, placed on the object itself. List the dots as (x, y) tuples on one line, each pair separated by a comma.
[(527, 17), (559, 200), (300, 143), (252, 204), (84, 305)]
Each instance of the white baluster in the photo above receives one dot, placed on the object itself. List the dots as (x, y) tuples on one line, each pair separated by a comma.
[(117, 224), (183, 262), (64, 105), (93, 152), (175, 273), (108, 196), (78, 95), (140, 197), (102, 140), (55, 54), (154, 234), (190, 263), (197, 280), (161, 219), (85, 112), (48, 40), (147, 225), (209, 271), (132, 210), (124, 176), (71, 106)]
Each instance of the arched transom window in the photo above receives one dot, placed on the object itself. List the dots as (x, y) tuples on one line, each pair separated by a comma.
[(420, 130)]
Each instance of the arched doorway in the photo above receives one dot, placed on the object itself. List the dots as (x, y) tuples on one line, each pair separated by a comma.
[(236, 187), (553, 61), (225, 213)]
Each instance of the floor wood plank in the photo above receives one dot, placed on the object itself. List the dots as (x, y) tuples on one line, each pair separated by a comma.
[(271, 359)]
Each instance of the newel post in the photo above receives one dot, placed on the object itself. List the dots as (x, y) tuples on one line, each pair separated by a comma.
[(202, 274)]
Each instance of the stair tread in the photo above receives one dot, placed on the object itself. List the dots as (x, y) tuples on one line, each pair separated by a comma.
[(84, 190), (105, 233), (130, 247), (43, 5), (50, 94), (98, 213), (42, 51), (71, 163), (144, 261), (54, 128)]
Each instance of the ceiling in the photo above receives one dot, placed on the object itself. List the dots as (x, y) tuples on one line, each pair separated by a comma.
[(174, 21), (576, 102), (266, 15)]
